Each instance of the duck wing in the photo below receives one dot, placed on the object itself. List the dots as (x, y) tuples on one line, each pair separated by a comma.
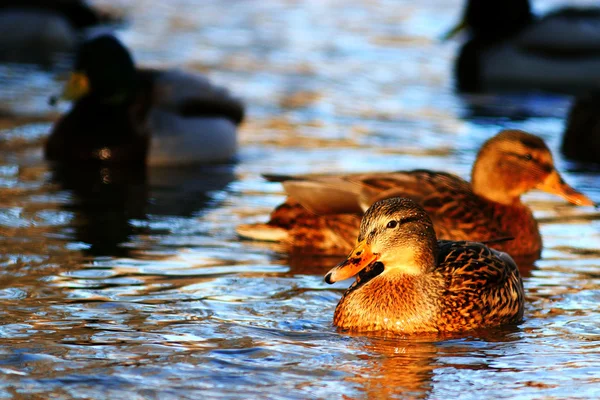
[(484, 284), (456, 211), (322, 212), (354, 193), (193, 95), (325, 194), (421, 186)]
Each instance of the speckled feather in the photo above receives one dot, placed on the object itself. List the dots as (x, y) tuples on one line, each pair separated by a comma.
[(465, 285), (309, 233), (471, 287), (457, 214), (321, 215), (482, 286)]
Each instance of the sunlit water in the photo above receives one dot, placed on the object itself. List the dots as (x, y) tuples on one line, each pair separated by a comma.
[(141, 289)]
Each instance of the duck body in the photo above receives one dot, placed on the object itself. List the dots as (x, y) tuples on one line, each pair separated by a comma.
[(457, 213), (96, 132), (322, 213), (408, 282), (509, 49), (173, 117), (192, 120), (460, 213), (581, 139), (36, 31), (506, 67)]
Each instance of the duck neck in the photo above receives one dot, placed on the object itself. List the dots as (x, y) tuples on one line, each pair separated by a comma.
[(412, 261), (116, 92), (491, 185), (392, 301)]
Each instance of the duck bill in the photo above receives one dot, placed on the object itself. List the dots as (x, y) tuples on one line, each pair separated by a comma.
[(461, 26), (77, 86), (360, 258), (555, 184)]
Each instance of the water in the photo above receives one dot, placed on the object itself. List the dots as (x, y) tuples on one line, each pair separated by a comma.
[(143, 290)]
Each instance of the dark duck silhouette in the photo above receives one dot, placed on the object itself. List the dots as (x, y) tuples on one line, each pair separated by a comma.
[(122, 114)]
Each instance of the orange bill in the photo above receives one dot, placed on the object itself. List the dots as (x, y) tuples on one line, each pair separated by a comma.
[(77, 86), (555, 184), (460, 27), (359, 258)]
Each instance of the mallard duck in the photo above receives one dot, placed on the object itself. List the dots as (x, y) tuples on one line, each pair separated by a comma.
[(581, 140), (35, 31), (510, 49), (123, 114), (322, 213), (407, 281)]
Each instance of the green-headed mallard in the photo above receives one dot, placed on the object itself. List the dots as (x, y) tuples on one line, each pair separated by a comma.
[(123, 114), (509, 49), (408, 282), (489, 208)]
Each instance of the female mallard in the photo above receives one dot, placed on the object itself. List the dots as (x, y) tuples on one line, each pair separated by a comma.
[(35, 31), (509, 49), (124, 115), (407, 281), (581, 140), (489, 208)]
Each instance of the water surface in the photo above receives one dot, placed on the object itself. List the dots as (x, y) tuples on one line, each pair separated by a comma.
[(141, 288)]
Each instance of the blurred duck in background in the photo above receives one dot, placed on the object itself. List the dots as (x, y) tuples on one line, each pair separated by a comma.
[(322, 212), (122, 114), (37, 31), (581, 140), (510, 49)]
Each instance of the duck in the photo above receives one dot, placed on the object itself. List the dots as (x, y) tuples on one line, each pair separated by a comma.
[(581, 138), (509, 49), (39, 31), (408, 282), (122, 114), (321, 215)]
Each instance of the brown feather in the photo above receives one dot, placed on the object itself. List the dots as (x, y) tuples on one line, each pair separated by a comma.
[(508, 165), (467, 285)]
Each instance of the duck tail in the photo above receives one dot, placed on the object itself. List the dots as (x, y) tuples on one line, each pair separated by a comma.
[(262, 232), (498, 240), (279, 178)]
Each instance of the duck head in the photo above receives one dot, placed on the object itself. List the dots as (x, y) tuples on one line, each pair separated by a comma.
[(396, 235), (104, 69), (514, 162), (493, 20)]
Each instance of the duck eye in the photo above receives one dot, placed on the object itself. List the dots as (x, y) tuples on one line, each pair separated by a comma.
[(392, 224), (528, 157)]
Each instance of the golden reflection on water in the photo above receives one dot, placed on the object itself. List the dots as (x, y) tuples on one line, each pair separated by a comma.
[(406, 367), (396, 368)]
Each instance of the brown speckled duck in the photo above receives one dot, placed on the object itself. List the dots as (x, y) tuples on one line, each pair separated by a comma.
[(409, 282), (322, 213)]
